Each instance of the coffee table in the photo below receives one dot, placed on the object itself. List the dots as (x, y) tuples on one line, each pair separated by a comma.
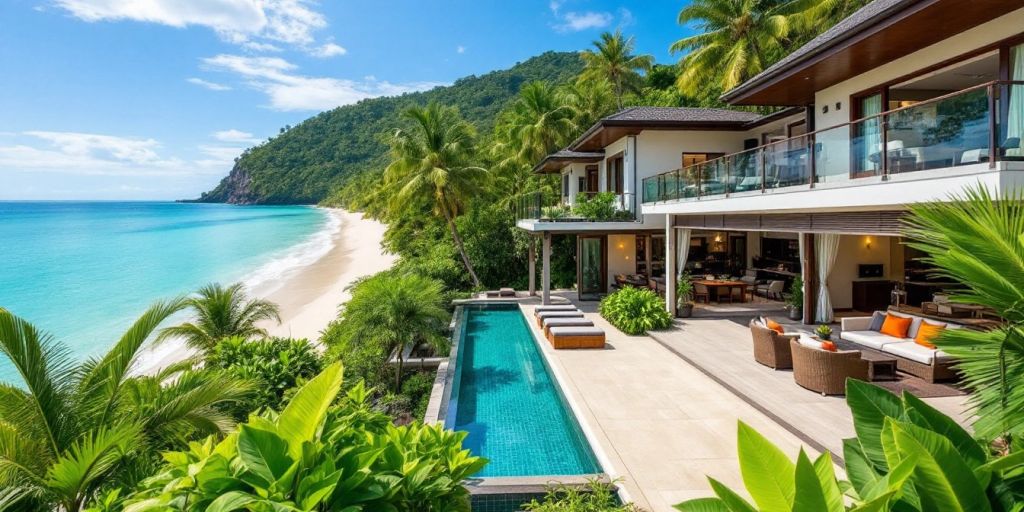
[(881, 366)]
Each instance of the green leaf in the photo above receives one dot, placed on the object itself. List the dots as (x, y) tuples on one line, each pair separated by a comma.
[(827, 477), (767, 473), (702, 505), (1004, 463), (231, 501), (926, 416), (870, 405), (943, 479), (304, 414), (808, 497), (88, 459), (734, 502), (893, 482), (263, 453), (859, 469)]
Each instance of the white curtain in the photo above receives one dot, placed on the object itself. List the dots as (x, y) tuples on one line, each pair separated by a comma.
[(826, 248), (1015, 116), (871, 131), (682, 249)]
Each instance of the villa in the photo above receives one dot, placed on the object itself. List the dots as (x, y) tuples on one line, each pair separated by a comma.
[(902, 102)]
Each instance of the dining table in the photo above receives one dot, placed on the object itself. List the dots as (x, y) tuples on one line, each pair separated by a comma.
[(728, 284)]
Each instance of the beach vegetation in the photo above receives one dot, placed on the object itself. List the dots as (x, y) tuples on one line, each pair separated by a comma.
[(975, 241), (69, 431), (388, 314), (326, 450), (432, 163), (218, 312), (635, 310), (906, 456), (595, 496), (274, 366)]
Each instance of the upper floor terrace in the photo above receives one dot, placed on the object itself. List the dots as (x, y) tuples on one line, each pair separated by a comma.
[(921, 151)]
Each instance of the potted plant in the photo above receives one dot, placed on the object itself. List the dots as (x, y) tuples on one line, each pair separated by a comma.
[(684, 296), (824, 332), (795, 299)]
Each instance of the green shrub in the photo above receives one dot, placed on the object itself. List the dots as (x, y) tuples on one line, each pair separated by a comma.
[(600, 206), (315, 456), (595, 497), (417, 388), (275, 364), (635, 310)]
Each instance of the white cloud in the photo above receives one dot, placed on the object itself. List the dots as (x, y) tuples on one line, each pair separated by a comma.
[(219, 158), (460, 49), (626, 17), (578, 21), (328, 50), (260, 47), (213, 86), (287, 90), (555, 5), (87, 153), (233, 135), (238, 21)]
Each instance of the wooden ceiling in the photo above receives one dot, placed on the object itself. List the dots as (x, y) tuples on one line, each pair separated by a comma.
[(921, 25)]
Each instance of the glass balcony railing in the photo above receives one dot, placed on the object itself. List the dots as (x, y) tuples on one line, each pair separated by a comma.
[(589, 207), (982, 124)]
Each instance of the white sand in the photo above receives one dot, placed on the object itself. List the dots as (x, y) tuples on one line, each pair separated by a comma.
[(308, 297)]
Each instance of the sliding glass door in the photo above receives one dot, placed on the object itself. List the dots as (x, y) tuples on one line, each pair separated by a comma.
[(591, 266)]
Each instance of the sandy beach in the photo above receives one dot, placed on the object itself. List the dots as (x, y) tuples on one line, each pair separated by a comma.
[(309, 296)]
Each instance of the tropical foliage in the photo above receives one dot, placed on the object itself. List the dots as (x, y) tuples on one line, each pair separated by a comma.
[(596, 496), (220, 312), (907, 456), (635, 310), (70, 427), (976, 242), (386, 314), (612, 59), (274, 366), (315, 455)]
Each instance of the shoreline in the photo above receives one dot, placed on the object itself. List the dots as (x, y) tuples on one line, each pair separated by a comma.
[(308, 296)]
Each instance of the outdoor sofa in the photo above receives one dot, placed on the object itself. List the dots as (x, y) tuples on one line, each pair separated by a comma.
[(930, 364)]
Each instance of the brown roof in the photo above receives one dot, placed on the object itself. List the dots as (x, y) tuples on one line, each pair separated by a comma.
[(557, 160)]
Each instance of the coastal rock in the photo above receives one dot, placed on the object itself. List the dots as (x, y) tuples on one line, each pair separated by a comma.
[(235, 188)]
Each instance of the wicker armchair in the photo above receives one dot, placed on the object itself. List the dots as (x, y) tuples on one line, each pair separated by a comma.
[(824, 371), (771, 348)]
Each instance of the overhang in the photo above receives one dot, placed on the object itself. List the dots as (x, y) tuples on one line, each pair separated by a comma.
[(557, 161)]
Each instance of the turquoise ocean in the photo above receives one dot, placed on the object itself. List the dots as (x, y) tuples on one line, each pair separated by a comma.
[(84, 271)]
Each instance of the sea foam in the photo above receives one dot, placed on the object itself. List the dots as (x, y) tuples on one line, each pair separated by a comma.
[(268, 277)]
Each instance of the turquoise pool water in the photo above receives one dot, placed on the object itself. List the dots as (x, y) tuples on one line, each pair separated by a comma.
[(508, 402)]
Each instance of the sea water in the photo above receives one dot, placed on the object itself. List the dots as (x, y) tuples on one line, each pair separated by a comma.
[(84, 271)]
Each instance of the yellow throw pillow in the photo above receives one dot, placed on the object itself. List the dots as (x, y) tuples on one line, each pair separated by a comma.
[(896, 326), (928, 332)]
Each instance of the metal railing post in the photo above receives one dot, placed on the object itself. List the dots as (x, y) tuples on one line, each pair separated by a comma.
[(760, 157), (883, 153), (812, 159), (993, 136)]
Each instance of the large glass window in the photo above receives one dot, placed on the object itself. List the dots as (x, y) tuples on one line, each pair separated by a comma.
[(1013, 132)]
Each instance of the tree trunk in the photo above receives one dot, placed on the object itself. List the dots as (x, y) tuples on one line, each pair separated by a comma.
[(398, 372), (459, 246)]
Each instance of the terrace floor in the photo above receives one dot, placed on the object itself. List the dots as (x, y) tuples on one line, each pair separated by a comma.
[(664, 408)]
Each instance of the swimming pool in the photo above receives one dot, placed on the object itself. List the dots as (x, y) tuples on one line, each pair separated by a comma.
[(504, 396)]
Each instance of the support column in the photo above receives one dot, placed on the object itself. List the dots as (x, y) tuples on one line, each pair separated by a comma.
[(531, 255), (670, 266), (809, 272), (546, 269)]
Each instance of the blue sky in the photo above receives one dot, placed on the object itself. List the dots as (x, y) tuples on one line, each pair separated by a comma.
[(152, 99)]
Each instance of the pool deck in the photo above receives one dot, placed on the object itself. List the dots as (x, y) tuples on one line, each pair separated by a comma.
[(660, 423)]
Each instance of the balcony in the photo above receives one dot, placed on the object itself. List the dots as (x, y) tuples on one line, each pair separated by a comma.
[(978, 126), (589, 207)]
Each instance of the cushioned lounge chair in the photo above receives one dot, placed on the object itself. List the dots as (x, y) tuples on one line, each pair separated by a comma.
[(566, 322), (554, 307), (576, 337), (556, 314)]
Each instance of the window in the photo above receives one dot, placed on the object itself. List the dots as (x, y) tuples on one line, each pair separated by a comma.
[(591, 187), (615, 167), (565, 185), (698, 158)]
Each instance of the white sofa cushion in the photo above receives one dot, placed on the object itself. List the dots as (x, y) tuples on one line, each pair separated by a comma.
[(911, 350), (809, 342), (870, 339)]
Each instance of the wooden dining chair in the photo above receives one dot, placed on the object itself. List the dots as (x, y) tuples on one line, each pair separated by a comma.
[(699, 291)]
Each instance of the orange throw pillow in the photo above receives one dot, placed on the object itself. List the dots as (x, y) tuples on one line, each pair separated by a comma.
[(773, 325), (829, 346), (896, 326), (928, 332)]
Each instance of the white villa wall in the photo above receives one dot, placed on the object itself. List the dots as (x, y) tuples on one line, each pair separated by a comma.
[(662, 150), (853, 251), (983, 35), (609, 151), (575, 172), (621, 256)]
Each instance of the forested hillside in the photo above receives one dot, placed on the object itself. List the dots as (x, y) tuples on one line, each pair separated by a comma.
[(304, 163)]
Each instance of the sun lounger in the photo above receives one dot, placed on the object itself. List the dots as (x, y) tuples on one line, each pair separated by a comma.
[(558, 307), (576, 337), (556, 314), (566, 322), (506, 292)]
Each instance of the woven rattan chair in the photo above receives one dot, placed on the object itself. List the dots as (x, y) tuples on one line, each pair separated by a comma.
[(824, 371), (771, 348)]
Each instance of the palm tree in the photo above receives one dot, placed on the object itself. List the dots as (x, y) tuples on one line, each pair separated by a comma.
[(395, 311), (737, 39), (614, 61), (221, 313), (70, 428), (819, 15), (430, 162), (538, 122), (977, 241), (590, 100)]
